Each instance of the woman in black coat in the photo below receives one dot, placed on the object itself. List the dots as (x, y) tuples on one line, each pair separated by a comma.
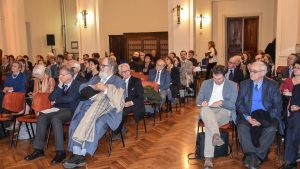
[(175, 78)]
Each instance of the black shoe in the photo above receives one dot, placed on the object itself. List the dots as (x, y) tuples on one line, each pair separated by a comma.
[(74, 161), (34, 155), (59, 157), (247, 161), (288, 165), (298, 157), (116, 137)]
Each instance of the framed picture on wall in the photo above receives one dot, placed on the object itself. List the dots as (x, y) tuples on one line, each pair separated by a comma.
[(74, 44)]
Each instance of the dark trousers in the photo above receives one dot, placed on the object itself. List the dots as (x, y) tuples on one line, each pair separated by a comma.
[(292, 139), (56, 119), (265, 140), (208, 69)]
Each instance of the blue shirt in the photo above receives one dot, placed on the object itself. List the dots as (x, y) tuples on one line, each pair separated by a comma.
[(256, 98), (17, 83)]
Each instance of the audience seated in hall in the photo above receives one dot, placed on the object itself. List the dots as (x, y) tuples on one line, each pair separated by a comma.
[(259, 109), (217, 97)]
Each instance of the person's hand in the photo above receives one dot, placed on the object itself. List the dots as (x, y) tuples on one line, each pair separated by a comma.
[(256, 123), (127, 104), (204, 104), (217, 103), (253, 122), (60, 83), (52, 103), (100, 87), (295, 108), (286, 92)]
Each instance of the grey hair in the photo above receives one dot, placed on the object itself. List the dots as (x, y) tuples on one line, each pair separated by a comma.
[(39, 69), (112, 64), (70, 71), (124, 64), (262, 66)]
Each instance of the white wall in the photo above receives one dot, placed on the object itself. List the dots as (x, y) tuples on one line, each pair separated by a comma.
[(72, 27), (44, 18), (124, 16), (265, 9)]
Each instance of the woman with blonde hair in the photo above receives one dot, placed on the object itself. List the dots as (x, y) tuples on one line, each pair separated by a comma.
[(43, 82)]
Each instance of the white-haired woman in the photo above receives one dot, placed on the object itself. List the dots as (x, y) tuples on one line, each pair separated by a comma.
[(43, 82)]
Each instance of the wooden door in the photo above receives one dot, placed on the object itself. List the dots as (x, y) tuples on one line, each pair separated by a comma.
[(234, 36), (242, 35), (116, 45), (251, 35)]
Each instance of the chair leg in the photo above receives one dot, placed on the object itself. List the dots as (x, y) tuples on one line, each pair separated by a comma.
[(13, 133), (154, 116), (136, 129), (17, 135), (122, 138), (145, 127), (48, 136), (3, 128), (198, 126), (28, 131), (32, 130)]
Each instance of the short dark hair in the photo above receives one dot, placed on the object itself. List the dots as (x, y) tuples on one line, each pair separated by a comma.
[(148, 55), (26, 56), (219, 69), (61, 57), (297, 62), (191, 51)]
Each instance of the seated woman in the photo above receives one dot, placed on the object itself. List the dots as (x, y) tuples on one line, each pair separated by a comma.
[(292, 143), (286, 88), (94, 68), (43, 82), (175, 78), (147, 65), (15, 81)]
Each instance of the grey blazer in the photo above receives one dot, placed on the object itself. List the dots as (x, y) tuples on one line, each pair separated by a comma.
[(230, 93)]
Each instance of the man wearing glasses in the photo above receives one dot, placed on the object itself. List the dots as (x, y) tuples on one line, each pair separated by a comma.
[(162, 77), (259, 108), (234, 73)]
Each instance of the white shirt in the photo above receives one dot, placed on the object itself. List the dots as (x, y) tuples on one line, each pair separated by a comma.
[(217, 93)]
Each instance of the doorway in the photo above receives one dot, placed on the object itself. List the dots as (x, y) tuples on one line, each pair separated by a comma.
[(242, 35)]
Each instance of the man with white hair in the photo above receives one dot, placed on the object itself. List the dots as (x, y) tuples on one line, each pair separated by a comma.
[(259, 108), (77, 76), (233, 72)]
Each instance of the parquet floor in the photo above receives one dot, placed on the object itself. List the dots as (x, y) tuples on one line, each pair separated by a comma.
[(165, 146)]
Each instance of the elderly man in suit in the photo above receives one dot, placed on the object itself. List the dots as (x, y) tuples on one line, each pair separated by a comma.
[(77, 75), (134, 93), (186, 69), (216, 98), (258, 94), (162, 77), (234, 73), (111, 119), (288, 72), (65, 97)]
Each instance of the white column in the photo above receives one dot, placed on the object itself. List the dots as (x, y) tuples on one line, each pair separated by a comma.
[(181, 36), (90, 37), (287, 35), (12, 27)]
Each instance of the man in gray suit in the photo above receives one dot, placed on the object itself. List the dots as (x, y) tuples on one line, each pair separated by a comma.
[(216, 98), (186, 70)]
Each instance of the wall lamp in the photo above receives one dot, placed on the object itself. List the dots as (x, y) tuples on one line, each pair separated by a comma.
[(177, 9), (201, 18), (84, 14)]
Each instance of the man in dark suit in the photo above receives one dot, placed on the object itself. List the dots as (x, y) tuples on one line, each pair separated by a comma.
[(233, 73), (162, 77), (135, 63), (134, 93), (77, 75), (288, 72), (5, 65), (258, 94), (65, 97)]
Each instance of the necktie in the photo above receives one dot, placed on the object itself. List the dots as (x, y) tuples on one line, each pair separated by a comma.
[(290, 72), (126, 90), (256, 87), (231, 75), (157, 76), (65, 89)]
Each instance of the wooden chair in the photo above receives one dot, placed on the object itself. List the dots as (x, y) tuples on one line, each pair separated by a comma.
[(139, 75), (115, 132), (13, 102), (40, 102)]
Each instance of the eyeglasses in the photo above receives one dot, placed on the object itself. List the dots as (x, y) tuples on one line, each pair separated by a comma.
[(103, 66), (125, 71), (256, 71), (297, 67), (63, 74)]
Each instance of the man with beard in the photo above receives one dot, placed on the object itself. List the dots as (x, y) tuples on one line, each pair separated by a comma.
[(112, 119), (135, 63)]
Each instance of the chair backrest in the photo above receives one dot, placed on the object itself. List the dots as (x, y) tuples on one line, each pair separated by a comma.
[(41, 102), (14, 101), (153, 84), (139, 75)]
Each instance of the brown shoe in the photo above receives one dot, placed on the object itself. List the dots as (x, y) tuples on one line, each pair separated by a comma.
[(208, 164)]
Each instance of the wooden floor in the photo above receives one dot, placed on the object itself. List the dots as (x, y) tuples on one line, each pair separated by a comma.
[(165, 146)]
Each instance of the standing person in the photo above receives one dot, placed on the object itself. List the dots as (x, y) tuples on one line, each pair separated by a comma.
[(212, 56)]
